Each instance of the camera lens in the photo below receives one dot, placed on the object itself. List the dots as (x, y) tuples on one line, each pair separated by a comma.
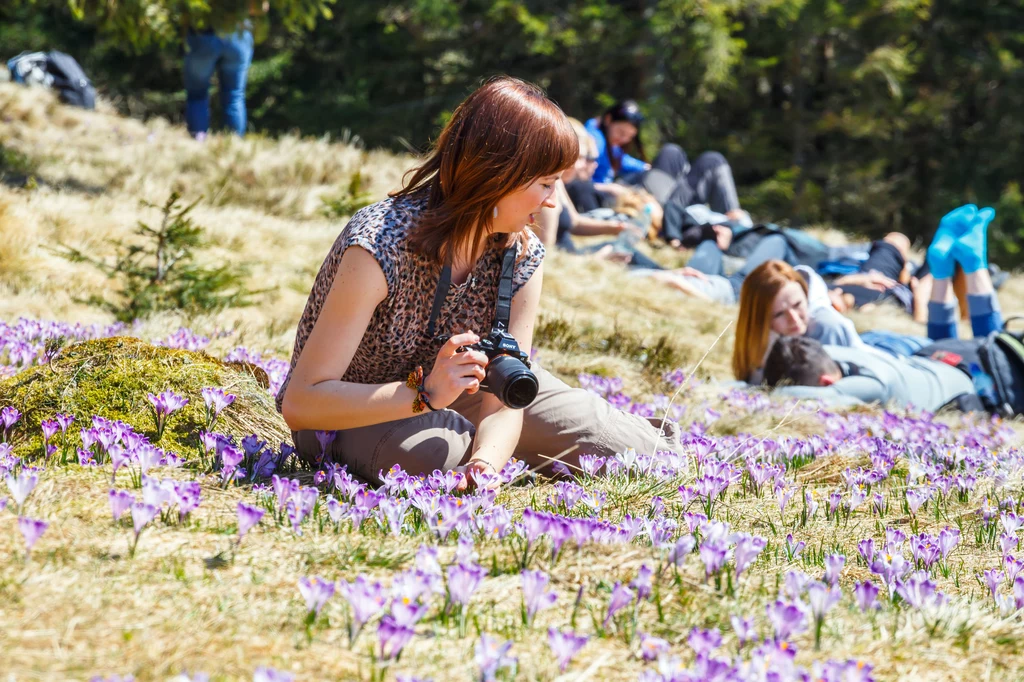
[(511, 381)]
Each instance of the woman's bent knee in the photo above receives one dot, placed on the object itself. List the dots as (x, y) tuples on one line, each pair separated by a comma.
[(438, 440)]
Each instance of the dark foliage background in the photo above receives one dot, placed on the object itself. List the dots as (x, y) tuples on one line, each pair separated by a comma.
[(870, 115)]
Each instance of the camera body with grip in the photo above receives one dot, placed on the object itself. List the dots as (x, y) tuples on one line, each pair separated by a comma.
[(508, 375)]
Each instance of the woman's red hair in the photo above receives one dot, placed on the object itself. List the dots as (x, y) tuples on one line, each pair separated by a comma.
[(501, 138), (754, 325)]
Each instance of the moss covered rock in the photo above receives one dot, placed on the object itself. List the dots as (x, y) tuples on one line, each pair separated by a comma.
[(111, 377)]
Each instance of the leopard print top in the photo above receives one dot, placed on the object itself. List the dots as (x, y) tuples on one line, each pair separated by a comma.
[(396, 340)]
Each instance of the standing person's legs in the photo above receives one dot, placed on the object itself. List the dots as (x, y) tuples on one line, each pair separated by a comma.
[(201, 54), (713, 184), (234, 70)]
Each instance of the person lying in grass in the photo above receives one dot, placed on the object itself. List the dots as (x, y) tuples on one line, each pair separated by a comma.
[(779, 300), (985, 372), (382, 373)]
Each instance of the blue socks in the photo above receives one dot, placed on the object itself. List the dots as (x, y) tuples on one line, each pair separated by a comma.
[(942, 320), (952, 226), (971, 248), (986, 317)]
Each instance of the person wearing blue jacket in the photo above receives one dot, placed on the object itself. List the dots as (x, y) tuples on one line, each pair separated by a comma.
[(671, 178)]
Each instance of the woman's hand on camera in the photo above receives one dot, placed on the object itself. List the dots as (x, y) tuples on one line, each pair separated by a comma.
[(455, 372)]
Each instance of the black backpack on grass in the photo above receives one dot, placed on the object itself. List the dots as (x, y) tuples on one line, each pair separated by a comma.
[(55, 70), (1001, 356)]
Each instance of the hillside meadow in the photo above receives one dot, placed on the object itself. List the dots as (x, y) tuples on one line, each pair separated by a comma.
[(792, 542)]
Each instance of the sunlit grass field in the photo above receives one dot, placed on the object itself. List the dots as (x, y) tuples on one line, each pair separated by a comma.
[(634, 568)]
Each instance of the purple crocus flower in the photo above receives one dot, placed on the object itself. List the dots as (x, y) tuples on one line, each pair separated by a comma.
[(866, 595), (50, 428), (142, 514), (919, 592), (216, 400), (714, 555), (1018, 593), (833, 568), (31, 530), (591, 464), (866, 548), (230, 458), (703, 642), (821, 598), (262, 674), (492, 657), (744, 629), (164, 405), (684, 545), (651, 647), (535, 596), (393, 637), (22, 486), (786, 619), (621, 597), (316, 591), (64, 421), (463, 581), (9, 416), (642, 582), (564, 645), (120, 502), (748, 547), (947, 539), (793, 548), (993, 577), (248, 517), (405, 611), (325, 438), (365, 598)]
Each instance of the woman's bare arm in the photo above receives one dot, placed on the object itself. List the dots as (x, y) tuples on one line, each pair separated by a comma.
[(316, 398)]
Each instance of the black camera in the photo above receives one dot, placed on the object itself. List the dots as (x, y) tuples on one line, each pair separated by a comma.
[(508, 370)]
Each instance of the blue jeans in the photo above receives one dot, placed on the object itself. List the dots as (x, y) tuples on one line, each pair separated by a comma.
[(707, 258), (230, 56)]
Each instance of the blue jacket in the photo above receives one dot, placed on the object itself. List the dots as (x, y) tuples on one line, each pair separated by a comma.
[(604, 171)]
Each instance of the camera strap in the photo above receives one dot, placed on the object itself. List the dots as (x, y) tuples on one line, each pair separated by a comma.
[(502, 307)]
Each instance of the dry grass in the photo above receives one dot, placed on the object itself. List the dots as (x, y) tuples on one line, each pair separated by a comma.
[(81, 607)]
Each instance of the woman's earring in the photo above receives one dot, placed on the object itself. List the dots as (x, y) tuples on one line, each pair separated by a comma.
[(495, 212)]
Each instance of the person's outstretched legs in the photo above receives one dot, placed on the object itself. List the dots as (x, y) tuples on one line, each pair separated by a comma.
[(772, 247), (969, 250), (201, 55), (707, 258), (234, 71), (671, 159), (951, 227), (713, 184)]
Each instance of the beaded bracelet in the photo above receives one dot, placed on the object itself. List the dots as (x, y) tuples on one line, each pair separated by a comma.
[(422, 399)]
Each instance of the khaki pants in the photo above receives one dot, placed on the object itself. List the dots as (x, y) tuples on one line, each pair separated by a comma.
[(561, 423)]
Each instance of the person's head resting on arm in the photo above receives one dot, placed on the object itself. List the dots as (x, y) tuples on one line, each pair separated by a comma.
[(491, 170), (800, 361), (773, 303)]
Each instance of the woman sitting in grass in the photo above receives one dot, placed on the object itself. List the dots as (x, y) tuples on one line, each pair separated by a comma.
[(380, 355)]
